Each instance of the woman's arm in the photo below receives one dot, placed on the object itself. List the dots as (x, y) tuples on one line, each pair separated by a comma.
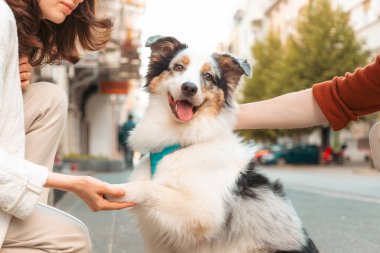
[(89, 189), (292, 110)]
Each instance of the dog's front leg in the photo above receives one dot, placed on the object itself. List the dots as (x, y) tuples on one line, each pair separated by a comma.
[(147, 193), (134, 191), (182, 217)]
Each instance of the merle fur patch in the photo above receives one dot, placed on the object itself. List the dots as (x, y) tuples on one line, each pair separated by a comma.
[(250, 180)]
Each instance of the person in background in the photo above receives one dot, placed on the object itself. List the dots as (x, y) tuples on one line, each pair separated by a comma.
[(124, 133), (337, 101), (32, 118)]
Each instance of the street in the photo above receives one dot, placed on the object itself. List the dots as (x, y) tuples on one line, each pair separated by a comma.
[(340, 209)]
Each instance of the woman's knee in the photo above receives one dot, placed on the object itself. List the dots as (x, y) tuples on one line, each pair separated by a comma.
[(55, 96), (50, 230), (73, 235), (81, 242), (44, 98)]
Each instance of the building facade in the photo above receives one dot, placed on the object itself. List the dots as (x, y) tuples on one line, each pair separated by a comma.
[(99, 85)]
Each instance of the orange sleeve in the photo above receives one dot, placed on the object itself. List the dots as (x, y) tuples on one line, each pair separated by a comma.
[(344, 99)]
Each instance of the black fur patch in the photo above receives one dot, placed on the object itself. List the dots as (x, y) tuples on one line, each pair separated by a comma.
[(231, 71), (309, 248), (221, 83), (155, 68), (250, 180)]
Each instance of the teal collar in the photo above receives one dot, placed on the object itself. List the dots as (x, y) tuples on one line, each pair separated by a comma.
[(155, 158)]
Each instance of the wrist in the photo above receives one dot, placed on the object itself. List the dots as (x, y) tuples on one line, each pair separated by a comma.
[(61, 181)]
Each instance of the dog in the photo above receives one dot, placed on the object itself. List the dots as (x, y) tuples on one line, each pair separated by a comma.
[(197, 191)]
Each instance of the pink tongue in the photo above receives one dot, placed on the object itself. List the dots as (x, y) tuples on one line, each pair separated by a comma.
[(184, 110)]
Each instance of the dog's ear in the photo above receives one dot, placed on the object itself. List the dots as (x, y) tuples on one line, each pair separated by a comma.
[(163, 49), (232, 68), (163, 46)]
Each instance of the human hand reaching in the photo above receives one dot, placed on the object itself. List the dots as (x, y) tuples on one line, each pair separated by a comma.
[(90, 190), (25, 72)]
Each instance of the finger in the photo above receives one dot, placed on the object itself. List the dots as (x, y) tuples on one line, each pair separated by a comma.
[(24, 85), (25, 76), (117, 206), (25, 67), (23, 59), (113, 191)]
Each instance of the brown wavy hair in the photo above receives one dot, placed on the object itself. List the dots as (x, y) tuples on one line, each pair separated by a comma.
[(45, 42)]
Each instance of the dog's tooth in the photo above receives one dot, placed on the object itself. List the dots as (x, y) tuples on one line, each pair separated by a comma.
[(176, 105)]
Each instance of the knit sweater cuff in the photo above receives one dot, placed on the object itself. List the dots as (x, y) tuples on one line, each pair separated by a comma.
[(335, 111), (23, 193)]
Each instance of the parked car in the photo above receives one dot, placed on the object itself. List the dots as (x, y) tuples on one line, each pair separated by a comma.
[(265, 156), (269, 154), (302, 154)]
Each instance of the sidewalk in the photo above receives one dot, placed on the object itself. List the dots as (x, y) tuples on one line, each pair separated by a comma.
[(110, 231)]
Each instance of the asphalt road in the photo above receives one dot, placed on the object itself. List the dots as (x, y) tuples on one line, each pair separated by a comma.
[(340, 207)]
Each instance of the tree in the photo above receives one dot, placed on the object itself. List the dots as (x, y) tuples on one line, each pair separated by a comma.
[(269, 58), (323, 46)]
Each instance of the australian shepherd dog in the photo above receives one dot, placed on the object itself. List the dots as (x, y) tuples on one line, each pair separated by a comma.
[(197, 191)]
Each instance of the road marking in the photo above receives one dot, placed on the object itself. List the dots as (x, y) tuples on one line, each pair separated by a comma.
[(333, 194), (113, 226)]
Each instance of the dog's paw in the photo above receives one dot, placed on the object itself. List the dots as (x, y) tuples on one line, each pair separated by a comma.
[(132, 193), (117, 199)]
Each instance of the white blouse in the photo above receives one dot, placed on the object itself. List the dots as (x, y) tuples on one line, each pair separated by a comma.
[(21, 182)]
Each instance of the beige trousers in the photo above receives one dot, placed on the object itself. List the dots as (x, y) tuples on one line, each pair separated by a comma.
[(47, 229), (45, 110)]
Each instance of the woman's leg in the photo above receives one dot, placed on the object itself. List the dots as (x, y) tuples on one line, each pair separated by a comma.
[(45, 109), (47, 230)]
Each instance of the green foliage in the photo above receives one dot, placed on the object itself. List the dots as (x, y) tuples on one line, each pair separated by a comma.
[(269, 57), (323, 46)]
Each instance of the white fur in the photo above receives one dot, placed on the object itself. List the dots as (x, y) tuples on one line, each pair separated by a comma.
[(184, 206)]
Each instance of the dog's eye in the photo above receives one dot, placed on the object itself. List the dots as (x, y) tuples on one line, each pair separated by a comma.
[(178, 68), (208, 77)]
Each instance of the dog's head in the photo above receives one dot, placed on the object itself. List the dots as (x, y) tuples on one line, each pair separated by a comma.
[(194, 83)]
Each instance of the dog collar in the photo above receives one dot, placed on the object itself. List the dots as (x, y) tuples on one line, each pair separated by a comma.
[(155, 158)]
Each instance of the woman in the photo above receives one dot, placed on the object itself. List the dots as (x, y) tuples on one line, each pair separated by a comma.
[(48, 31)]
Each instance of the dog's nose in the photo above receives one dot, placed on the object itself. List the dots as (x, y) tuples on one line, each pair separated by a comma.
[(189, 89)]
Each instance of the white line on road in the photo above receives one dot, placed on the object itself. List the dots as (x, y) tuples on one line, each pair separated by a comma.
[(113, 225)]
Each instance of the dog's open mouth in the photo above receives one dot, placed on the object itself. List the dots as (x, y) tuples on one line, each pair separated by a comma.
[(182, 109)]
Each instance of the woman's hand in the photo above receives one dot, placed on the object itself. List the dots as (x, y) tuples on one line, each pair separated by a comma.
[(25, 72), (90, 190)]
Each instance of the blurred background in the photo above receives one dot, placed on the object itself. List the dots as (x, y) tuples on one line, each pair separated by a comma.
[(292, 44)]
